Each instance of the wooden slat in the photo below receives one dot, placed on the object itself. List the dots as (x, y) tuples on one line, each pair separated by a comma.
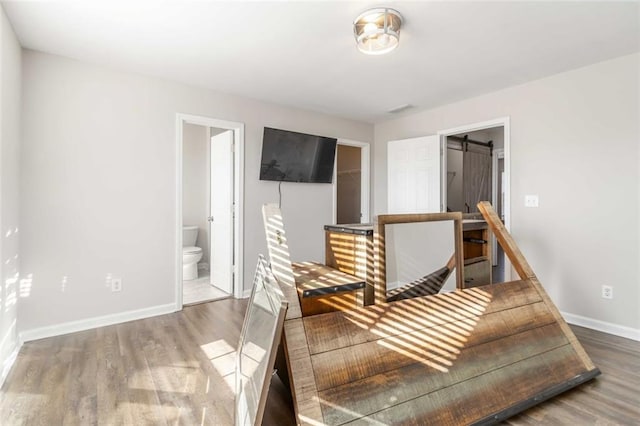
[(279, 257), (390, 219), (473, 399), (505, 240), (379, 263), (343, 329), (303, 385), (458, 252), (438, 347), (524, 270), (417, 379)]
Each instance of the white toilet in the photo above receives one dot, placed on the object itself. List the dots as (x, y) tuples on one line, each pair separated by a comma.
[(191, 254)]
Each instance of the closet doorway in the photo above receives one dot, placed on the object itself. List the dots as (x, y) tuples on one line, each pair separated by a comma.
[(351, 183), (475, 167)]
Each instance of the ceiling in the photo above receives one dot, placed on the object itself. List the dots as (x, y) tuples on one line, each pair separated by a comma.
[(303, 54)]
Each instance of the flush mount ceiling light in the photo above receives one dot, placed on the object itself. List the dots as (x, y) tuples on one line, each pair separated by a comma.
[(377, 30)]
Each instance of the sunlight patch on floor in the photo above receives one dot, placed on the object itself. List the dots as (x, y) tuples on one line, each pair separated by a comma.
[(223, 358)]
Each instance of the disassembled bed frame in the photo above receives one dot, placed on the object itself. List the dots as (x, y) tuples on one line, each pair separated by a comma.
[(472, 356)]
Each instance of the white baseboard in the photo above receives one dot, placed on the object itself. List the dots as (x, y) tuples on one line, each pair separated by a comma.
[(8, 363), (89, 323), (605, 327), (246, 294)]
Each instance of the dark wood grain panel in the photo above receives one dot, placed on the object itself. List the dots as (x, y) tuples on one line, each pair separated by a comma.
[(437, 347), (343, 329), (472, 399), (417, 379), (336, 302)]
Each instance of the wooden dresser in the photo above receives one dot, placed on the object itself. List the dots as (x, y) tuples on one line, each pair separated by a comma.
[(477, 253)]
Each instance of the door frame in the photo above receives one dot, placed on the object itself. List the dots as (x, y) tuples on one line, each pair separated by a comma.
[(498, 122), (365, 189), (238, 196), (497, 155)]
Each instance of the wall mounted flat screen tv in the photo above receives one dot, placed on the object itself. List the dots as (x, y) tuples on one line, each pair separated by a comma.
[(296, 157)]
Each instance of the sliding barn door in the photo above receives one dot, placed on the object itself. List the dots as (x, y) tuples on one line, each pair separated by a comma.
[(477, 178)]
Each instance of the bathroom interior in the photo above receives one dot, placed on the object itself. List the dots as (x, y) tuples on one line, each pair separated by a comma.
[(197, 283)]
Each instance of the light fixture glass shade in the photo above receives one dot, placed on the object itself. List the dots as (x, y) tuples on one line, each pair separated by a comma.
[(377, 31)]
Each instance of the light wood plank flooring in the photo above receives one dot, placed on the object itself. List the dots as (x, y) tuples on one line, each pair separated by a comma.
[(176, 369)]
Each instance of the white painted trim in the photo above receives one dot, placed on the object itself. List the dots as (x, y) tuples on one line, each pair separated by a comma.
[(444, 178), (365, 180), (178, 228), (505, 123), (8, 363), (497, 155), (605, 327), (89, 323), (246, 294), (238, 195)]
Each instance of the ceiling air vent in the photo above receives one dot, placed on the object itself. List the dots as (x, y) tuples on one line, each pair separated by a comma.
[(400, 108)]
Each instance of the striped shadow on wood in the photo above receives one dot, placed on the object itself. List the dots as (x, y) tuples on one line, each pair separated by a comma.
[(474, 356)]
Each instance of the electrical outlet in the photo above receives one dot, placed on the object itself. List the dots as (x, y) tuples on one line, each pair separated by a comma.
[(531, 201), (607, 292), (116, 284)]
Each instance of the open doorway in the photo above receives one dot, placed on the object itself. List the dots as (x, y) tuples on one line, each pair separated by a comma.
[(475, 167), (351, 183), (209, 238)]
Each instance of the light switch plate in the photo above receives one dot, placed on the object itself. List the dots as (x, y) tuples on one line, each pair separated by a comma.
[(531, 201)]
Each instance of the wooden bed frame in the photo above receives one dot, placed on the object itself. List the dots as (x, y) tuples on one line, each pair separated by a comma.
[(473, 356)]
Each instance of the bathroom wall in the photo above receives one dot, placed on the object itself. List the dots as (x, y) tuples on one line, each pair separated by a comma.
[(12, 288), (195, 183)]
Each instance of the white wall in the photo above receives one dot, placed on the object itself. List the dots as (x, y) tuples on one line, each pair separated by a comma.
[(98, 185), (10, 82), (196, 182), (568, 132)]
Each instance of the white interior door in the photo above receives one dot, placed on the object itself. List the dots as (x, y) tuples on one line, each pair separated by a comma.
[(221, 212), (413, 175)]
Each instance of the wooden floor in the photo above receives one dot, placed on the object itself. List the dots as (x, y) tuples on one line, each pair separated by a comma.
[(177, 369)]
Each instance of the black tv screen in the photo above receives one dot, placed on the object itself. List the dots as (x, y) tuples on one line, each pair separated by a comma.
[(296, 157)]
